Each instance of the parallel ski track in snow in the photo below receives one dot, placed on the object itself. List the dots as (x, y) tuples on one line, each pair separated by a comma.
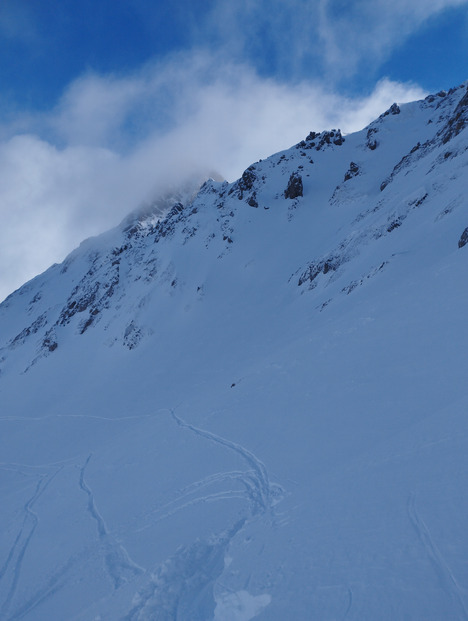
[(182, 587), (20, 545), (53, 584), (262, 494), (110, 419), (444, 573), (118, 563), (188, 497)]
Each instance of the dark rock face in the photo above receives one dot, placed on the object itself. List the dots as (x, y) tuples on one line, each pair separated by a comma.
[(245, 184), (431, 98), (332, 137), (248, 179), (32, 329), (459, 120), (253, 200), (395, 224), (50, 342), (352, 171), (295, 187), (319, 141), (338, 138), (463, 239), (394, 109), (323, 266), (371, 142), (132, 336), (309, 142)]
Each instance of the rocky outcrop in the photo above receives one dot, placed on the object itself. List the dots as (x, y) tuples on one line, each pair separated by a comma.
[(463, 238), (371, 141), (330, 264), (20, 338), (394, 109), (99, 274), (321, 140), (353, 171), (458, 121), (294, 188)]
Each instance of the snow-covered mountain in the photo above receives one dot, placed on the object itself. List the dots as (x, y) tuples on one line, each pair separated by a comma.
[(254, 406)]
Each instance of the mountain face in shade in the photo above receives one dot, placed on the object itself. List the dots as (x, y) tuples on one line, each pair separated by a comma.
[(251, 402)]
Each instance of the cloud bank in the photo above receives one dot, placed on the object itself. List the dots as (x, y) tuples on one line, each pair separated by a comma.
[(331, 38), (114, 141)]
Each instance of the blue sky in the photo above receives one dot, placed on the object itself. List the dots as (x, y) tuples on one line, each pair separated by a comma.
[(46, 45), (105, 103)]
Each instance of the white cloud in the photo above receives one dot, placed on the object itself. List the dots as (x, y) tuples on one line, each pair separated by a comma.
[(365, 32), (113, 141), (334, 39), (123, 139), (94, 108)]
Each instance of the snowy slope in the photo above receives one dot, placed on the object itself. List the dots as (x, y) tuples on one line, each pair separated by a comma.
[(255, 406)]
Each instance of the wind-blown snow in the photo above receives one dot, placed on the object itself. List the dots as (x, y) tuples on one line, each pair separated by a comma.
[(254, 407)]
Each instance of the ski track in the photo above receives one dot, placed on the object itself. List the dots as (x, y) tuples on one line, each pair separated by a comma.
[(110, 419), (182, 587), (29, 470), (263, 495), (119, 565), (211, 479), (20, 545), (54, 584), (443, 571), (161, 515), (174, 506), (350, 604)]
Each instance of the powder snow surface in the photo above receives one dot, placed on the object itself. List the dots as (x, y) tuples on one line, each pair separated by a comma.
[(255, 407)]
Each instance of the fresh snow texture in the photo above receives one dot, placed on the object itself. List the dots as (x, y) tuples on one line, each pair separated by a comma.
[(253, 406)]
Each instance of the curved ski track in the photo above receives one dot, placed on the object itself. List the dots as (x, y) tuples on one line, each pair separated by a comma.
[(118, 564), (263, 494), (19, 548), (446, 578), (182, 587)]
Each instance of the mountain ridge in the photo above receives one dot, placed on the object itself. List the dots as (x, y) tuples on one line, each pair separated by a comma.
[(252, 406), (151, 221)]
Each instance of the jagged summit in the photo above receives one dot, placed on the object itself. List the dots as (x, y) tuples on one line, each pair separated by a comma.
[(155, 210), (248, 401), (324, 171)]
